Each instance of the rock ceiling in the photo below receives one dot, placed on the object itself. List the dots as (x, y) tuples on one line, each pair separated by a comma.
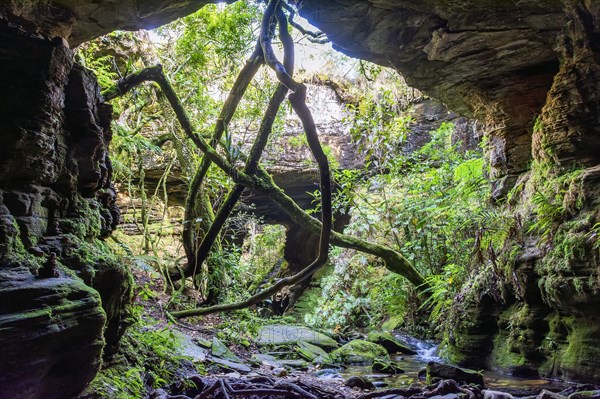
[(485, 58)]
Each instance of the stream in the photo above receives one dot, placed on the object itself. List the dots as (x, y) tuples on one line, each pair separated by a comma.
[(428, 351)]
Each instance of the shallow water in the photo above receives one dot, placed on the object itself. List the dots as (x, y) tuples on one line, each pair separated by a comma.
[(426, 352)]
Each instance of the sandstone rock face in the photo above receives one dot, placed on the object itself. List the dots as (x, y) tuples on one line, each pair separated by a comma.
[(51, 334), (548, 323), (62, 296)]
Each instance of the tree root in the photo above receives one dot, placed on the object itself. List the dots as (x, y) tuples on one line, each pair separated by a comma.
[(256, 178), (298, 101), (257, 387), (200, 254)]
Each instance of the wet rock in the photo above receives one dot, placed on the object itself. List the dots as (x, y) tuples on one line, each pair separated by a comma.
[(218, 349), (489, 394), (310, 352), (359, 382), (386, 366), (279, 334), (359, 351), (446, 371), (229, 365), (390, 343)]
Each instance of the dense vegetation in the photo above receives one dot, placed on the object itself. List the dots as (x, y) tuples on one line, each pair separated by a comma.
[(427, 203)]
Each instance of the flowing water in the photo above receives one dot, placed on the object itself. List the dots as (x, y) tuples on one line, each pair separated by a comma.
[(428, 351)]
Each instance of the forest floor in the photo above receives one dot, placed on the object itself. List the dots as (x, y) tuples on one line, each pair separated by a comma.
[(152, 297)]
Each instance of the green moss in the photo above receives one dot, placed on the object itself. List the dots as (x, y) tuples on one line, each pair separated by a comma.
[(582, 353), (84, 219), (146, 355), (359, 351), (504, 355)]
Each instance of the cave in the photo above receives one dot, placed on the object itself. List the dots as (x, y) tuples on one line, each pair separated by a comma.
[(528, 71)]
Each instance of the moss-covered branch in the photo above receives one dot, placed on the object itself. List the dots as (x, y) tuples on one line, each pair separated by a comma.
[(298, 101), (230, 105), (263, 183)]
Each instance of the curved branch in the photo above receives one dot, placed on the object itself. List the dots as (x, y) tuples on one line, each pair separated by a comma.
[(201, 253), (298, 101), (234, 195), (315, 37), (229, 107), (262, 182), (265, 41)]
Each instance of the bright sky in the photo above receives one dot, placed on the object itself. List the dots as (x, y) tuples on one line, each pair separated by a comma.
[(311, 57)]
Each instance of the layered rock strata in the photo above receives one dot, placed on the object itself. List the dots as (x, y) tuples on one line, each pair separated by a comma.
[(63, 296)]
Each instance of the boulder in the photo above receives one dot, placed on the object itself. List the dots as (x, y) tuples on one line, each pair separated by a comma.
[(359, 351), (51, 334), (446, 371), (390, 343), (279, 334), (359, 382)]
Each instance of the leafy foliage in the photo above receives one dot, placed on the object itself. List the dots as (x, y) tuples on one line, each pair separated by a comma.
[(426, 204)]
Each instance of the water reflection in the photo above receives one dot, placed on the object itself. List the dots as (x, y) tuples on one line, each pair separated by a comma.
[(428, 351)]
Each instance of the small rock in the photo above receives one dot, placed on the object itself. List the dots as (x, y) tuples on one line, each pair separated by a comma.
[(359, 382), (50, 268), (595, 394), (231, 366), (295, 364), (280, 372), (489, 394), (309, 351), (267, 360)]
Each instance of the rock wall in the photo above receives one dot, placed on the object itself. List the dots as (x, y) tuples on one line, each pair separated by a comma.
[(547, 321), (63, 296)]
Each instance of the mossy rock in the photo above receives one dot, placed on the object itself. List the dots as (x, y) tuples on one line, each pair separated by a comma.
[(449, 372), (309, 351), (279, 334), (386, 366), (218, 349), (390, 343), (359, 351), (585, 395)]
